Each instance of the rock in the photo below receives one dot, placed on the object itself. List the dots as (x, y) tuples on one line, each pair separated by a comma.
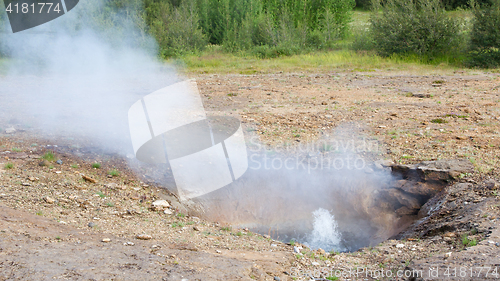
[(320, 251), (315, 263), (296, 249), (89, 179), (32, 178), (91, 224), (447, 255), (450, 234), (421, 95), (276, 278), (59, 162), (128, 244), (143, 237), (491, 184), (111, 185), (168, 212), (10, 130), (405, 211), (160, 204), (400, 246), (49, 200), (106, 240), (440, 169), (404, 199), (44, 163), (381, 164), (420, 188), (196, 228)]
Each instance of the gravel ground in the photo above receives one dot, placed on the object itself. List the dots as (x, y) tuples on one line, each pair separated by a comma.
[(57, 218)]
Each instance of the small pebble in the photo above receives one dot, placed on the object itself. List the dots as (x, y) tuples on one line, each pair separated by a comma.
[(49, 200), (91, 224), (128, 244), (10, 130), (59, 162), (144, 237), (400, 246), (106, 240), (296, 249), (276, 278)]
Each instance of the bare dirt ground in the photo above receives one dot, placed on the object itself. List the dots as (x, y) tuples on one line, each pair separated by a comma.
[(57, 225)]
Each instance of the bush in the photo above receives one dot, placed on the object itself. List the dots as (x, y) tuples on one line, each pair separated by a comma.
[(454, 4), (267, 28), (420, 27), (176, 29), (485, 36)]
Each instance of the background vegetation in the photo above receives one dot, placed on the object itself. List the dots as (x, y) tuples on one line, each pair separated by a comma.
[(456, 32)]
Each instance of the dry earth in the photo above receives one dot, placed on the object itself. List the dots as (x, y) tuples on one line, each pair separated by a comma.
[(57, 225)]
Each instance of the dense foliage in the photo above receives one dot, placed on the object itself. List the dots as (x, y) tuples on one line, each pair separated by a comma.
[(268, 27), (485, 36), (420, 27)]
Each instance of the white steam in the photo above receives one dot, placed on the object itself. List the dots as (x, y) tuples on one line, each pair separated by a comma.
[(76, 76)]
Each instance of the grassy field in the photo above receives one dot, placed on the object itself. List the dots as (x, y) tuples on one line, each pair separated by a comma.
[(216, 61)]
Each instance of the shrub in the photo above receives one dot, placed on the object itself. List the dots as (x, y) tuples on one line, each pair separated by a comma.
[(176, 28), (414, 27), (485, 36)]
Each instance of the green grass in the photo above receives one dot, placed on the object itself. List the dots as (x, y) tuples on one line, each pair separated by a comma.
[(49, 156), (16, 149), (96, 165), (177, 224), (102, 195), (74, 166), (109, 204), (466, 242), (226, 228), (8, 166), (181, 215), (114, 173), (216, 61), (439, 121)]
